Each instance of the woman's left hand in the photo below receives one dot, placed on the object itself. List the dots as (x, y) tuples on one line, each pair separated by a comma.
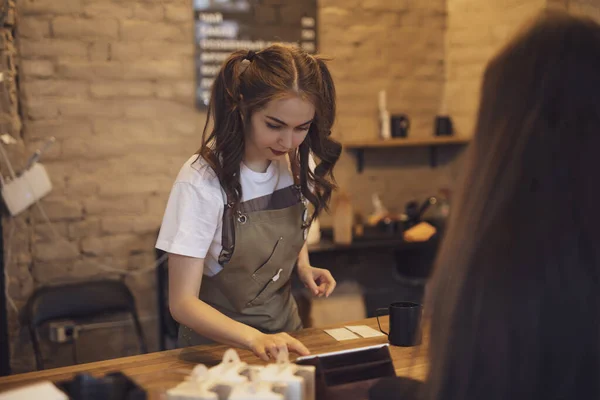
[(318, 280)]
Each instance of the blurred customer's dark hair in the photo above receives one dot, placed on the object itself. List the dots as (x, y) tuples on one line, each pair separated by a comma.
[(515, 297)]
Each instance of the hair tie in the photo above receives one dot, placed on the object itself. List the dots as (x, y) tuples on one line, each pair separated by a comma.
[(250, 56)]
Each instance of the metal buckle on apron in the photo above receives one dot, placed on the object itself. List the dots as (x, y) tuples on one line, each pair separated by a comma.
[(242, 218)]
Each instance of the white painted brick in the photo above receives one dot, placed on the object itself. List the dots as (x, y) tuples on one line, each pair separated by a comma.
[(130, 128), (90, 226), (35, 130), (108, 9), (99, 51), (20, 285), (150, 108), (126, 51), (178, 13), (52, 153), (130, 185), (123, 224), (61, 209), (80, 186), (73, 27), (126, 224), (89, 71), (90, 108), (114, 244), (126, 205), (51, 48), (46, 233), (157, 205), (164, 90), (159, 50), (51, 272), (184, 89), (351, 4), (41, 108), (54, 251), (51, 87), (147, 224), (149, 11), (155, 70), (93, 149), (105, 267), (385, 5), (133, 30), (27, 7), (33, 28), (37, 68), (128, 88)]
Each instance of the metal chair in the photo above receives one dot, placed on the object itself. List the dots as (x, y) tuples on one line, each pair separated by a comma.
[(78, 301)]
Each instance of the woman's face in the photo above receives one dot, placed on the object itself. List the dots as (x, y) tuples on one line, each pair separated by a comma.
[(278, 128)]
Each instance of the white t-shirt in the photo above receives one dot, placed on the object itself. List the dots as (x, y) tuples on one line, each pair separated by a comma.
[(193, 220)]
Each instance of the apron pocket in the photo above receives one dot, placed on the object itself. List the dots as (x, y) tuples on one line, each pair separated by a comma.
[(270, 276), (272, 285), (278, 246), (266, 280)]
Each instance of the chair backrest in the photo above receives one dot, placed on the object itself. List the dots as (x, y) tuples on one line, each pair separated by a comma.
[(79, 300)]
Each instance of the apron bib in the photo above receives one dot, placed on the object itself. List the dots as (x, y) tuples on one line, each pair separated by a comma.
[(261, 243)]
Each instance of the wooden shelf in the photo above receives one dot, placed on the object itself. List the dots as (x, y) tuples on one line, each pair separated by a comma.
[(359, 146), (406, 142)]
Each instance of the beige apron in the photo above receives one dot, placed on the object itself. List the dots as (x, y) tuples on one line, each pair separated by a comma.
[(261, 243)]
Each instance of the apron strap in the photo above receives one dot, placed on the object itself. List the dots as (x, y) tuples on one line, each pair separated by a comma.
[(294, 163)]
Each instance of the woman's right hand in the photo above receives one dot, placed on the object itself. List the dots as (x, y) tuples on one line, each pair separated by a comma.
[(268, 346)]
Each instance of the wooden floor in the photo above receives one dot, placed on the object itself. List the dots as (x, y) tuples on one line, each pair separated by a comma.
[(159, 371)]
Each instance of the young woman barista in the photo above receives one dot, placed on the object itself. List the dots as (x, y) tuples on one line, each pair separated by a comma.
[(236, 220)]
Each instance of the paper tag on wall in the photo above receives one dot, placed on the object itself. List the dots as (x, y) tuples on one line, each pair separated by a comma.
[(364, 331), (341, 334)]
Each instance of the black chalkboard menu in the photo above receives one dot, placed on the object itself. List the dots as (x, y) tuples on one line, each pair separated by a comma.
[(223, 26)]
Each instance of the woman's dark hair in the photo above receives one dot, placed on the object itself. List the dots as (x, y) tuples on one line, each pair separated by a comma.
[(514, 303), (243, 87)]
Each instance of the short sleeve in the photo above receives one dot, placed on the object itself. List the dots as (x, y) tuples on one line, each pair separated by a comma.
[(191, 220)]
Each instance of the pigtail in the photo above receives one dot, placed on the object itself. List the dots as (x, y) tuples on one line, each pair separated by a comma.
[(223, 149), (319, 141)]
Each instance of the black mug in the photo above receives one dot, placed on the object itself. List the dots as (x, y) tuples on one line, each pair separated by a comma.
[(400, 125), (443, 126), (405, 323)]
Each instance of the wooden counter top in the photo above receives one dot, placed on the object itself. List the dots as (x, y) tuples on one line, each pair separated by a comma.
[(157, 372)]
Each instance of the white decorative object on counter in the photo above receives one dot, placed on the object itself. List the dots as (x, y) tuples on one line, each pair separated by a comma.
[(255, 389), (41, 390), (234, 379), (230, 369), (298, 381)]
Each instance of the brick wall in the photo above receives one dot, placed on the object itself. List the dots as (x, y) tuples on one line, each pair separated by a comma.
[(585, 7), (397, 46), (476, 29), (114, 83)]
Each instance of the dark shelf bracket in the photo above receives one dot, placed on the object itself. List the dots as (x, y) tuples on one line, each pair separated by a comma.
[(433, 156), (360, 159)]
